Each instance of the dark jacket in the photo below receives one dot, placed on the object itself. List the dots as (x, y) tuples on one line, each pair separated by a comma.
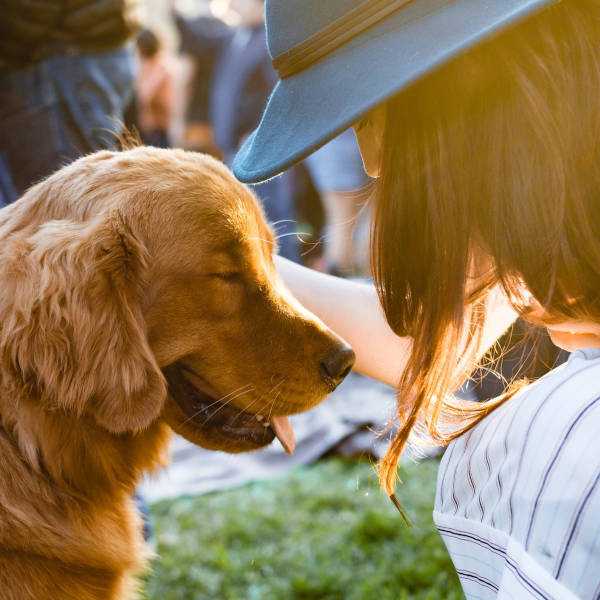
[(202, 39), (242, 75), (30, 30)]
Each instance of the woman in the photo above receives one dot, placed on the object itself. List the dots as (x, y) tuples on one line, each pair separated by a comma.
[(480, 121)]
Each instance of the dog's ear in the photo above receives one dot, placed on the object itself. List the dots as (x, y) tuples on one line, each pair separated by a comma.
[(72, 328)]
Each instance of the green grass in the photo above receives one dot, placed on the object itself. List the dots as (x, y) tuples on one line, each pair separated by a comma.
[(324, 532)]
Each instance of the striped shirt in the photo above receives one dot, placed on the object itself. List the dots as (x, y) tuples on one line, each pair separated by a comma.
[(518, 497)]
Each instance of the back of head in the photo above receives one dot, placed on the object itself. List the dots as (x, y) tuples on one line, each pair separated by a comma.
[(148, 43), (492, 160)]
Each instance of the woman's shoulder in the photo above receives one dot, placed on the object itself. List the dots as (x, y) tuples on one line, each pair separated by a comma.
[(530, 472), (548, 425), (582, 367), (551, 408), (557, 413), (547, 409)]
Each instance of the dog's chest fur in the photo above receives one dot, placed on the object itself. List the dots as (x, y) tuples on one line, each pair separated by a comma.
[(69, 528)]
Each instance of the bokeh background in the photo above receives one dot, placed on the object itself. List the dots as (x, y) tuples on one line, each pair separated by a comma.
[(76, 77), (314, 526)]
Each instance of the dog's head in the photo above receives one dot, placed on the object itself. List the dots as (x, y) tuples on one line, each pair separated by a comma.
[(140, 286)]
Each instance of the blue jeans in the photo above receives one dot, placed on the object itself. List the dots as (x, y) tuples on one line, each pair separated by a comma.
[(57, 110)]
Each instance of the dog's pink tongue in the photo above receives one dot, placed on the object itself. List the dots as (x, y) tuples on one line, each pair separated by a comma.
[(285, 433)]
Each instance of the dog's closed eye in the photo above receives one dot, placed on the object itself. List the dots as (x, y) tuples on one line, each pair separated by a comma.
[(228, 277)]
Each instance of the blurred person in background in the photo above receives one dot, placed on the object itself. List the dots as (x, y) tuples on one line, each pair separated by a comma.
[(242, 79), (66, 77), (154, 91), (198, 134), (66, 80), (338, 174)]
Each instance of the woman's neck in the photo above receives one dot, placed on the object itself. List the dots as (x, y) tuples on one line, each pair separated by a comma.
[(575, 335)]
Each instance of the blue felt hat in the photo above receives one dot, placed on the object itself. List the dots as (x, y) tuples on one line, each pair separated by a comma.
[(339, 58)]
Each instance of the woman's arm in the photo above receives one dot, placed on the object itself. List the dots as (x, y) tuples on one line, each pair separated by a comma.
[(353, 311)]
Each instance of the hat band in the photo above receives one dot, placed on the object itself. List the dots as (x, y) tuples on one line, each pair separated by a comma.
[(336, 34)]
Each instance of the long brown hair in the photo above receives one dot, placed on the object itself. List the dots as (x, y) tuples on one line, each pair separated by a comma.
[(492, 160)]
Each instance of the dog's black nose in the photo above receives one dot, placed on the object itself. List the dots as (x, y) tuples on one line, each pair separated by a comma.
[(337, 365)]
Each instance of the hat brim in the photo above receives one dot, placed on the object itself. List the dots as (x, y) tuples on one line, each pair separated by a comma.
[(309, 109)]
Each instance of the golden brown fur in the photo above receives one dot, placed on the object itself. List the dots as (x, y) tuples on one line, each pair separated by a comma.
[(132, 285)]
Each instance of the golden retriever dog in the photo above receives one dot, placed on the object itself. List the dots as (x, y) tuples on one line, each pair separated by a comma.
[(137, 296)]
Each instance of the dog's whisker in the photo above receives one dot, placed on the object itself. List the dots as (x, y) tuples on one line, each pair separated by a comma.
[(219, 408), (277, 385), (275, 223), (275, 398), (225, 400), (245, 388), (311, 247), (193, 372), (260, 418), (270, 393), (224, 404), (259, 239), (244, 410), (218, 400), (259, 398), (298, 234)]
